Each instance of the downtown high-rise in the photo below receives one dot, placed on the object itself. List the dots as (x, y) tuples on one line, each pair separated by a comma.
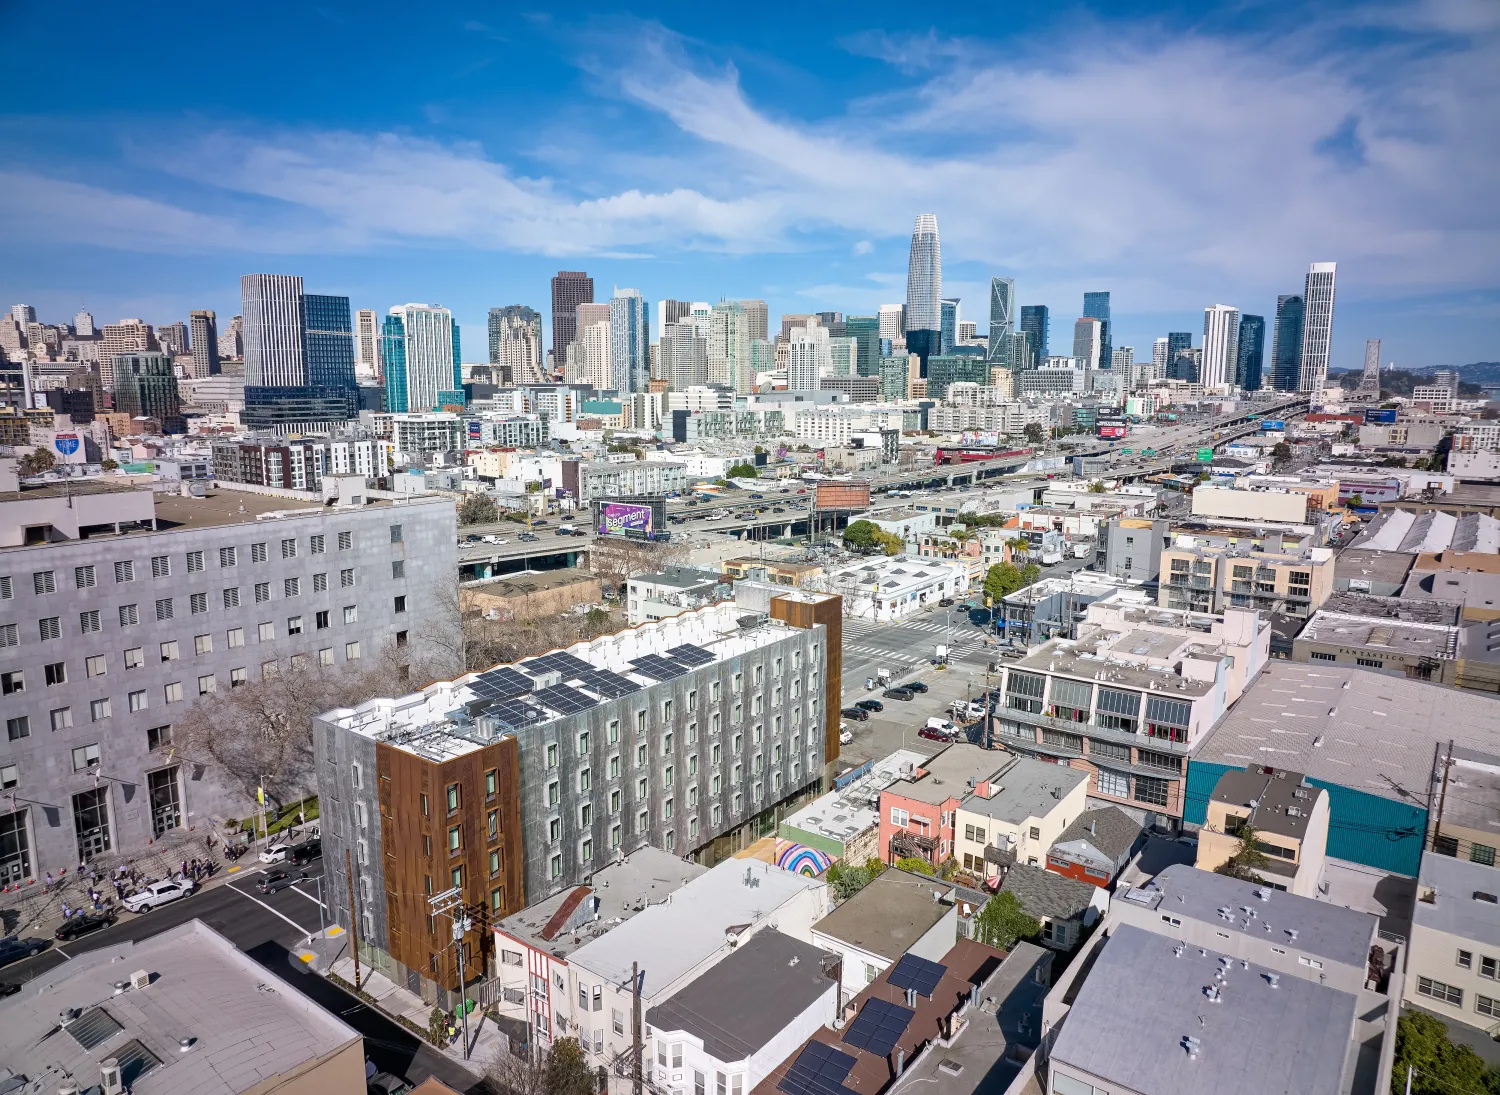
[(205, 342), (1317, 326), (1286, 343), (629, 341), (516, 342), (1221, 345), (924, 290), (419, 347), (1002, 324), (1252, 353), (1096, 306), (299, 355), (570, 288), (1034, 323)]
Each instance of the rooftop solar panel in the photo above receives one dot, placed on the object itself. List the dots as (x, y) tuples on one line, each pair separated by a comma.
[(818, 1070), (516, 712), (608, 684), (878, 1027), (917, 973), (502, 683), (567, 664), (565, 700), (691, 655), (659, 668)]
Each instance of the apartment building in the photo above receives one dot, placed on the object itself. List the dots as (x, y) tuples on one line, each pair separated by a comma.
[(611, 480), (299, 464), (514, 784), (1202, 574), (663, 593), (897, 914), (1453, 969), (119, 608), (1289, 816), (1130, 699), (1016, 814), (413, 433), (521, 431)]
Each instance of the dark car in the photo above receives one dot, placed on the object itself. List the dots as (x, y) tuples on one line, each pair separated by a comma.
[(692, 501), (871, 705), (277, 880), (788, 490), (12, 948), (757, 496), (539, 521), (946, 602), (526, 537), (857, 713), (914, 686), (80, 924), (933, 734), (899, 694), (580, 532), (472, 539), (9, 988), (307, 851)]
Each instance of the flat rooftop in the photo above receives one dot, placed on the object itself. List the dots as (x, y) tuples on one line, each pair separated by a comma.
[(1473, 799), (949, 774), (1023, 789), (1475, 589), (1451, 884), (566, 921), (1372, 564), (1387, 634), (889, 915), (846, 811), (1141, 999), (529, 581), (1081, 659), (743, 1001), (1275, 800), (248, 1024), (1374, 732), (1324, 930)]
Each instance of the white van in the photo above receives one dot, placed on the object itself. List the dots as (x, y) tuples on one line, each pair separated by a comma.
[(944, 725)]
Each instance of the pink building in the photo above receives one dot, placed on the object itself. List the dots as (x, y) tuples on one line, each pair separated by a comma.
[(918, 813)]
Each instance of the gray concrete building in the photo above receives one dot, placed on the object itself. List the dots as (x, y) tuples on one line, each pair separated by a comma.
[(119, 608), (1132, 547)]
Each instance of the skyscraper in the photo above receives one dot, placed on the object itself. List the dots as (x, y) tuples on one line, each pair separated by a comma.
[(684, 355), (1034, 323), (367, 343), (729, 341), (671, 311), (275, 347), (809, 355), (890, 321), (1221, 345), (329, 342), (516, 341), (83, 324), (145, 386), (1317, 326), (172, 338), (757, 319), (629, 341), (833, 322), (924, 290), (1286, 344), (1160, 355), (1088, 341), (570, 288), (948, 325), (417, 348), (1096, 306), (1370, 380), (1002, 324), (205, 342), (129, 336), (865, 330), (23, 314), (1248, 369)]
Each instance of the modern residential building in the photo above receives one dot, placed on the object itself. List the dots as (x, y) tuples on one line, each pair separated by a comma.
[(1289, 816), (808, 358), (1212, 573), (1131, 699), (1286, 345), (570, 288), (945, 370), (686, 734), (145, 386), (1133, 545), (1015, 813), (299, 464), (182, 1010), (421, 358), (897, 914), (1250, 363), (629, 341), (1221, 345), (1453, 964), (1317, 326), (1096, 847), (1417, 639), (667, 592), (367, 344), (922, 319), (205, 343), (417, 433), (121, 607), (1088, 343), (1096, 306), (516, 342), (729, 338), (606, 480), (1034, 322)]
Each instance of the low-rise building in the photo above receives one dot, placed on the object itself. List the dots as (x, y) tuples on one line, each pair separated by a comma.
[(532, 595), (610, 480), (1289, 816), (844, 824), (180, 1011), (1015, 814), (890, 589), (1065, 907), (1096, 847), (675, 589), (1200, 574), (1133, 546), (1413, 638), (1211, 500), (919, 812), (1468, 577), (1453, 966), (415, 433), (897, 914), (1052, 608), (779, 572)]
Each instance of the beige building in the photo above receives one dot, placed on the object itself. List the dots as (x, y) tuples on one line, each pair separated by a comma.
[(1290, 819), (532, 595), (1453, 965), (1200, 576), (1016, 815)]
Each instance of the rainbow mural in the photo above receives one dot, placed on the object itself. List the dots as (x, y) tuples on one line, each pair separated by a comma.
[(800, 859)]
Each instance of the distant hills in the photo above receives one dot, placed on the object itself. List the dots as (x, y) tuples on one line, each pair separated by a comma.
[(1472, 378)]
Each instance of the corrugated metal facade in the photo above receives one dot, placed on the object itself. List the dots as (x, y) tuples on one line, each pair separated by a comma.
[(1362, 828)]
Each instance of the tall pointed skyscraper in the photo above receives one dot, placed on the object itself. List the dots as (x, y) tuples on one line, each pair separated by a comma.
[(924, 290), (1317, 325)]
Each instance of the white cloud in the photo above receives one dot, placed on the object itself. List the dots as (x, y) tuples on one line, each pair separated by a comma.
[(863, 247)]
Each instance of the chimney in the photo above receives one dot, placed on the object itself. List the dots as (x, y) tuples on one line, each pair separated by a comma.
[(911, 997)]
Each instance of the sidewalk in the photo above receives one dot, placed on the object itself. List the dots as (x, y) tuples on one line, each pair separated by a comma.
[(487, 1042)]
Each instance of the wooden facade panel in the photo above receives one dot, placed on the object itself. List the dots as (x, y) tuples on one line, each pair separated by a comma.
[(830, 613)]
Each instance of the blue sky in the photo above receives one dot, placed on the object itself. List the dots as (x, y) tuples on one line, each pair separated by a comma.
[(462, 153)]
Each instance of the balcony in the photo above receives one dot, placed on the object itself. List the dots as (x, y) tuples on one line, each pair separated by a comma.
[(1201, 581), (1123, 737)]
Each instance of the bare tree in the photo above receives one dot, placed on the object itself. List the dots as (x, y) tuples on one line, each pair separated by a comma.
[(615, 559)]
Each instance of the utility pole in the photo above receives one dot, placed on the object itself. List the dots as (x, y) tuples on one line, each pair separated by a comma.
[(635, 1028), (353, 914), (449, 903), (1437, 825)]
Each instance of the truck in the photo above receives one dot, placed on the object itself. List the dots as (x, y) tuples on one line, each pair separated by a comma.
[(1080, 551), (1051, 556)]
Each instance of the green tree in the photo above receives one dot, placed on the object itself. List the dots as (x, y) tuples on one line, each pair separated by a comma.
[(743, 471), (1002, 922), (889, 542), (37, 461), (1438, 1066), (1356, 499), (478, 508), (1020, 547), (1034, 433), (568, 1073), (847, 880), (1281, 452), (1097, 487), (1002, 580), (1029, 574), (108, 465), (860, 534), (914, 865), (1247, 858)]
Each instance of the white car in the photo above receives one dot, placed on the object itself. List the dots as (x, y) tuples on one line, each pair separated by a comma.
[(276, 853), (845, 736), (158, 893)]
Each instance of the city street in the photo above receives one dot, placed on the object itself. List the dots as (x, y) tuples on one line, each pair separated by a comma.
[(272, 929)]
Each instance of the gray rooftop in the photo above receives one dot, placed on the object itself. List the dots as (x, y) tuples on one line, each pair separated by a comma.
[(1044, 893), (566, 921), (1473, 588), (679, 577), (1277, 800), (1080, 660), (669, 940), (1438, 613), (1373, 732), (947, 774), (248, 1024), (742, 1002), (1140, 1000), (1111, 831), (1325, 930), (1411, 532), (889, 915), (1454, 909), (1372, 565), (1384, 635), (1025, 789)]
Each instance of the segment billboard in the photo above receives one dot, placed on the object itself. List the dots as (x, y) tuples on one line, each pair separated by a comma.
[(625, 519), (1380, 416)]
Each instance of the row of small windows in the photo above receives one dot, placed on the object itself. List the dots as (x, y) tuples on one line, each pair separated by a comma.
[(50, 627)]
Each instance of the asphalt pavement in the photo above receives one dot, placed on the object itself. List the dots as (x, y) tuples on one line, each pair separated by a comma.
[(270, 928)]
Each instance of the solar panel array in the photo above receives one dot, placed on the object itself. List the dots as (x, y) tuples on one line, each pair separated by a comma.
[(818, 1070), (878, 1027), (516, 712), (917, 973), (691, 655), (567, 664), (565, 700), (659, 668), (608, 684), (502, 683)]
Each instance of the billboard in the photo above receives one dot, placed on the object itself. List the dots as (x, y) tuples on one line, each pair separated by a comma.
[(1113, 433), (846, 494), (1381, 416), (1272, 424), (625, 519)]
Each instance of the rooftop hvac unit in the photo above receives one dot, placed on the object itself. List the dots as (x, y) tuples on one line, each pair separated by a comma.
[(140, 979)]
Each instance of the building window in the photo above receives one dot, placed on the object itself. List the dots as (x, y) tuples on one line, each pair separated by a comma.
[(267, 632), (49, 628), (351, 614), (136, 701), (161, 566), (1486, 1006), (62, 718), (346, 541), (135, 657), (9, 636), (262, 592), (173, 692), (228, 557), (85, 757), (1115, 784), (395, 534), (125, 571), (400, 604), (18, 728), (197, 604), (83, 577), (207, 685), (1465, 960), (232, 597), (351, 652), (1437, 990), (1319, 656), (1483, 854), (1154, 791)]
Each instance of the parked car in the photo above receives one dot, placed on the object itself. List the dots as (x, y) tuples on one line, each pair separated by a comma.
[(540, 521), (472, 538), (277, 852), (946, 602), (899, 694), (845, 736), (934, 735), (13, 947), (82, 923), (857, 713), (975, 710), (307, 851), (871, 705), (276, 880), (914, 686), (159, 893)]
